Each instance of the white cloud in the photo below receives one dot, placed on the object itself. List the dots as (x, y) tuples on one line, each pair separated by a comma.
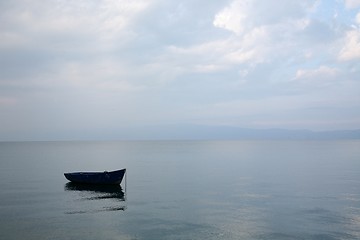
[(102, 20), (323, 73), (233, 17), (357, 19), (351, 49), (243, 15), (263, 32), (202, 58), (209, 68), (352, 3), (99, 75), (218, 55)]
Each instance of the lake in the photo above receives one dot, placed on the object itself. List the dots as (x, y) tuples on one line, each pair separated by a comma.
[(182, 190)]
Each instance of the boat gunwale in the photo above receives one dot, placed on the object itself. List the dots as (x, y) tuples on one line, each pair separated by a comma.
[(117, 177)]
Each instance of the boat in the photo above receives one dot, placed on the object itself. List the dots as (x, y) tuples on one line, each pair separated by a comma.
[(112, 177)]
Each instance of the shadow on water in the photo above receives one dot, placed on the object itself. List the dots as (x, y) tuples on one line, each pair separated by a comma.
[(107, 194)]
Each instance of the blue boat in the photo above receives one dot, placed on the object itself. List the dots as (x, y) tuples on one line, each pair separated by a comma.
[(113, 177)]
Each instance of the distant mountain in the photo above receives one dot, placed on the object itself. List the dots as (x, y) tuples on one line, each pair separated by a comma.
[(201, 132), (189, 132)]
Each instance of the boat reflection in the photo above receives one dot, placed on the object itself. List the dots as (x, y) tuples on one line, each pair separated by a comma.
[(111, 194), (98, 191)]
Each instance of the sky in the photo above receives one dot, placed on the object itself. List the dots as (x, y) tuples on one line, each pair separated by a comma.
[(88, 68)]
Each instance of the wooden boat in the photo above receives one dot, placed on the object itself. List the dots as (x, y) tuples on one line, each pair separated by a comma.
[(113, 177)]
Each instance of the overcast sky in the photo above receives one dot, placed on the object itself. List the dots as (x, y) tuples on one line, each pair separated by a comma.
[(101, 66)]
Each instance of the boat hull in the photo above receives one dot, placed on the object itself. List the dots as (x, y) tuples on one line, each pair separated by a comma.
[(113, 177)]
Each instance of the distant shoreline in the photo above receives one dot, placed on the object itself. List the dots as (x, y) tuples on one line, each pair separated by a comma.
[(191, 132)]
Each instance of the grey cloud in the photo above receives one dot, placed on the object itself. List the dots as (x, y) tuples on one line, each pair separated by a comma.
[(320, 32), (268, 13), (180, 23)]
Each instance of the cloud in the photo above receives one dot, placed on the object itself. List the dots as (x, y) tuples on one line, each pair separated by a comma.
[(157, 62), (233, 17), (299, 111), (262, 34), (7, 101), (58, 31), (351, 48), (323, 73), (102, 75), (56, 17), (352, 3), (66, 30), (227, 52), (240, 16)]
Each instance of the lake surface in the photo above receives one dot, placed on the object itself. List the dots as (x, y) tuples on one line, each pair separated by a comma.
[(182, 190)]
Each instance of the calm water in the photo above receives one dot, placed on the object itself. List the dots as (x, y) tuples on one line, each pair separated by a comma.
[(183, 190)]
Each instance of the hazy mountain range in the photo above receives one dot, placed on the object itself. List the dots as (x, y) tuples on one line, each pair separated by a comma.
[(200, 132), (184, 132)]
